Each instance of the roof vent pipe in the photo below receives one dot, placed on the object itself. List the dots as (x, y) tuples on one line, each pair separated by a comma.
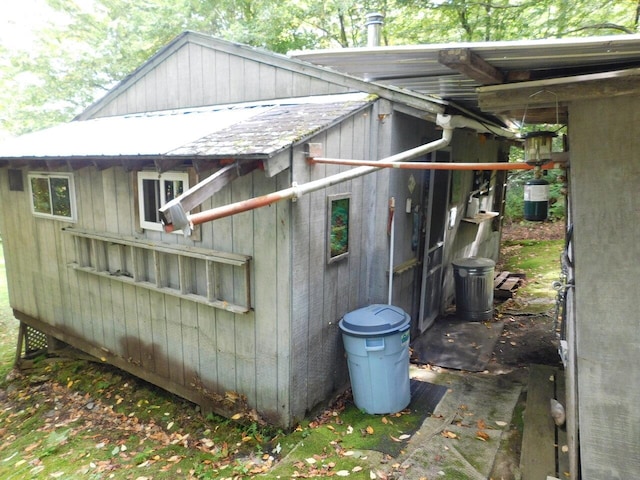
[(373, 22)]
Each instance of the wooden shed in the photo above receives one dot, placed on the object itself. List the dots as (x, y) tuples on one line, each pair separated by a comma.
[(243, 312), (591, 85)]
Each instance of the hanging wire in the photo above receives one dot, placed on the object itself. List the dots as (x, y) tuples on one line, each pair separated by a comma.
[(544, 90)]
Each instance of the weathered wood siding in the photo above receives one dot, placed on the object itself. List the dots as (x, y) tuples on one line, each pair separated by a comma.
[(322, 293), (467, 239), (169, 338), (408, 132), (605, 174), (197, 74)]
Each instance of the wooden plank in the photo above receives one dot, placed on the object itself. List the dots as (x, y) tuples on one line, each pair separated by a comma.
[(132, 337), (316, 375), (196, 80), (538, 457), (284, 287), (300, 295), (207, 318), (189, 341), (159, 338), (510, 283), (172, 72), (223, 77), (209, 77), (357, 257), (185, 250), (267, 75), (245, 231), (195, 298), (118, 316), (470, 64), (499, 278), (562, 439), (96, 288), (173, 316), (284, 85), (143, 308), (225, 321)]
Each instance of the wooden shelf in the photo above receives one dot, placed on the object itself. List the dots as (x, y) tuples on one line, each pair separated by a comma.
[(481, 217)]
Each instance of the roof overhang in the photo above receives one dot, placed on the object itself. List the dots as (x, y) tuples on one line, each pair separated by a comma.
[(544, 99), (247, 131), (456, 72)]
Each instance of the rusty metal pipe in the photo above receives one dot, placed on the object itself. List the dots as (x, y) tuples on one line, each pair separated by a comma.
[(242, 206), (296, 191), (424, 165)]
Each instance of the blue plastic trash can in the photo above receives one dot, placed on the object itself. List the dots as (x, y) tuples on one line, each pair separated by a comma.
[(376, 339)]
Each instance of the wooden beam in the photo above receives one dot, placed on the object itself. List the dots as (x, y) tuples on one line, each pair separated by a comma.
[(167, 164), (513, 96), (204, 165), (537, 115), (77, 164), (470, 64)]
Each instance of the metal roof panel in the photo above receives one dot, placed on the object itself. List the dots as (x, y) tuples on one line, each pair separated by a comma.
[(417, 67), (228, 130)]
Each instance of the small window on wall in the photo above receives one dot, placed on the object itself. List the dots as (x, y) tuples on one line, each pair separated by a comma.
[(154, 190), (338, 213), (53, 195)]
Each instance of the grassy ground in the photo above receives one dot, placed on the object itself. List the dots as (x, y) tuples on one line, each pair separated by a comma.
[(8, 324), (539, 260), (73, 418)]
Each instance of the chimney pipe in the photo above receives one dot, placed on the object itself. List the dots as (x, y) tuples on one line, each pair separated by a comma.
[(373, 22)]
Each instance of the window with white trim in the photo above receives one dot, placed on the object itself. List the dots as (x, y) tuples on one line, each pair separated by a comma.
[(156, 189), (53, 195)]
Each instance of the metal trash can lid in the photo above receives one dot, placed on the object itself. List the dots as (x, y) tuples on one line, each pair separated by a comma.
[(474, 262), (374, 320)]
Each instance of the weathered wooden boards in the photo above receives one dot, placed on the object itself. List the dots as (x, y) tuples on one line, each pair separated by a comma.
[(506, 283), (542, 453)]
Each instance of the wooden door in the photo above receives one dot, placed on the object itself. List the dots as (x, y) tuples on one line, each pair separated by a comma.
[(436, 201)]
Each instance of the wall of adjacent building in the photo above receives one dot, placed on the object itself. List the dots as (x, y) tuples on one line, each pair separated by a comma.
[(605, 174)]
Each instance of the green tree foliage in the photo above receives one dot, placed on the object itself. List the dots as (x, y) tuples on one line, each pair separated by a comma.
[(101, 41)]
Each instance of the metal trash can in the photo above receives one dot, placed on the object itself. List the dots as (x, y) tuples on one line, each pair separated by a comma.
[(376, 339), (474, 287)]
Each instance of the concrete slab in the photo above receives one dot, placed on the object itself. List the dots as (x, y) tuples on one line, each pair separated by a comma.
[(462, 438)]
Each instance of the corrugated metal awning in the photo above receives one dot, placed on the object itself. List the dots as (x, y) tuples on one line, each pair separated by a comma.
[(427, 69), (255, 130)]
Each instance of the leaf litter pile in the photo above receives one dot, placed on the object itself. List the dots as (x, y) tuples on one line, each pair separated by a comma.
[(73, 418), (69, 418)]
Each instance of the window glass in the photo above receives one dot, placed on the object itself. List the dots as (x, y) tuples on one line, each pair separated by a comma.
[(52, 195), (338, 245), (60, 197), (40, 197), (154, 191)]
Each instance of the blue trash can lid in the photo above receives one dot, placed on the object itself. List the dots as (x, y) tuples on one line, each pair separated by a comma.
[(473, 262), (374, 320)]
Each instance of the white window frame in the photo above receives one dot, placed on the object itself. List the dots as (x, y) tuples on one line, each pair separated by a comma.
[(72, 195), (161, 177)]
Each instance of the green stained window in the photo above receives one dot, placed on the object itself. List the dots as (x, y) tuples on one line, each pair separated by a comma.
[(338, 212)]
